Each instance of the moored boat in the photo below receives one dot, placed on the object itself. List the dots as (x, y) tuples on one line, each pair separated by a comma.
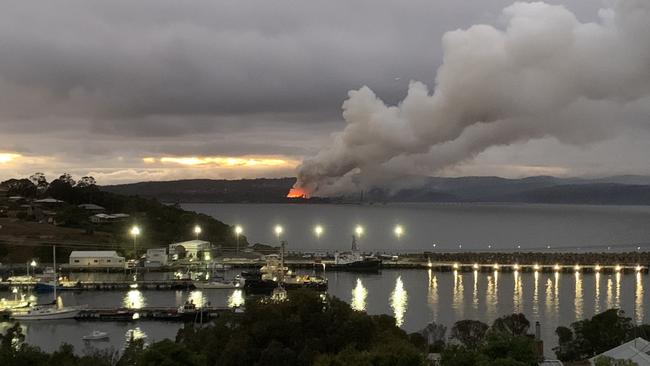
[(96, 335), (354, 260)]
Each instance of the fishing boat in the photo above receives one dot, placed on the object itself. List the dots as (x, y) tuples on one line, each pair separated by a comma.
[(96, 335), (354, 260), (48, 312), (275, 274)]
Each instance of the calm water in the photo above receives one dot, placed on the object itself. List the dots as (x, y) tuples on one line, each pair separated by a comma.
[(475, 226), (413, 297)]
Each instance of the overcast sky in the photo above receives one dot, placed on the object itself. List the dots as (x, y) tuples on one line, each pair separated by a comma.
[(162, 89)]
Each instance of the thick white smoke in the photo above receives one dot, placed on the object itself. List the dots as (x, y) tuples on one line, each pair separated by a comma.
[(544, 74)]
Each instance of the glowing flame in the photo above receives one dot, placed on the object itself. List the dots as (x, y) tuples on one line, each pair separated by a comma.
[(297, 193)]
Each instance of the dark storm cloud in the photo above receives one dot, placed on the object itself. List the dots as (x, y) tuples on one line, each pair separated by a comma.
[(102, 83)]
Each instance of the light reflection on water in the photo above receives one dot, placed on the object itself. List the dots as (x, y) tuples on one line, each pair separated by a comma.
[(578, 302), (413, 297), (134, 299), (359, 294), (399, 301)]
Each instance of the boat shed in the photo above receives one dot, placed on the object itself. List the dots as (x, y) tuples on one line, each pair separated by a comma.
[(191, 249), (96, 259)]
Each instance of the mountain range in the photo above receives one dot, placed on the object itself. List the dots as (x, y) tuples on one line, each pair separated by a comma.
[(621, 190)]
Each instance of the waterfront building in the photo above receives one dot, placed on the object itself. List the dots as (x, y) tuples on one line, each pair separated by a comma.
[(156, 257), (96, 259), (191, 249)]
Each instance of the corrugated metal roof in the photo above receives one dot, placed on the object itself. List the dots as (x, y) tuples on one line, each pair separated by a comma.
[(634, 350), (94, 253)]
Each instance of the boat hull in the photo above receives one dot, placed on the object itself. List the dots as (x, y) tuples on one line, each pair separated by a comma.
[(366, 265), (67, 314)]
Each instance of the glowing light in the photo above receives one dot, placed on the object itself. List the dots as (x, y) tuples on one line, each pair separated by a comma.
[(638, 268), (197, 230), (149, 160), (359, 230), (6, 157), (475, 266), (318, 231), (429, 264), (197, 298), (359, 295), (455, 266), (399, 301), (536, 267), (135, 231), (238, 230), (597, 268), (278, 230), (556, 267), (134, 300), (297, 193), (236, 299), (516, 267), (33, 263), (618, 268), (577, 267), (135, 334), (398, 231), (496, 267)]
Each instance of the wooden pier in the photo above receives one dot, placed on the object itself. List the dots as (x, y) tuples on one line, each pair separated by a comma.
[(179, 314)]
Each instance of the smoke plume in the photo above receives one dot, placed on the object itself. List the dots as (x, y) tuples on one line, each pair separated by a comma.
[(544, 74)]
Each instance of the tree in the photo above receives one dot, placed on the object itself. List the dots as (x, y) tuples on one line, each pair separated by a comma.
[(590, 337), (608, 361), (434, 333), (471, 333), (85, 182), (20, 187), (39, 180), (514, 324)]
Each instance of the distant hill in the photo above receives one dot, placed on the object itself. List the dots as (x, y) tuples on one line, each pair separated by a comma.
[(623, 190), (262, 190)]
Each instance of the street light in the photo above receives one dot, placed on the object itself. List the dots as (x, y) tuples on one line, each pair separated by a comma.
[(358, 230), (238, 231), (318, 231), (197, 231), (278, 231), (135, 231), (399, 230), (33, 265)]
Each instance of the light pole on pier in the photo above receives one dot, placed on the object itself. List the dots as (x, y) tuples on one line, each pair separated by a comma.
[(238, 231), (318, 231), (278, 231), (135, 231), (197, 231)]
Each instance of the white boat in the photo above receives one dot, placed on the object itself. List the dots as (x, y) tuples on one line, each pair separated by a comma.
[(96, 335), (47, 313)]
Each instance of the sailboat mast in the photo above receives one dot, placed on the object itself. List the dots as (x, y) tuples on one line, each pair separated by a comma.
[(56, 277)]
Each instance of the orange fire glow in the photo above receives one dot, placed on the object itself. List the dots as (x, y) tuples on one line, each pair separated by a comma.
[(297, 193)]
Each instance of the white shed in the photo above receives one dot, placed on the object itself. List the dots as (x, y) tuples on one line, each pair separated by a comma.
[(191, 249), (156, 257), (636, 350), (96, 259)]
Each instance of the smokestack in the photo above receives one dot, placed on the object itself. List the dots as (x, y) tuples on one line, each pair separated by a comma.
[(545, 74)]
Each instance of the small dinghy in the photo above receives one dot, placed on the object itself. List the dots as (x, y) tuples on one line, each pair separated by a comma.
[(96, 335)]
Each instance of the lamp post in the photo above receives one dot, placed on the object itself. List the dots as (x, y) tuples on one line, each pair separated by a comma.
[(318, 231), (399, 231), (135, 231), (33, 265), (238, 231), (278, 231), (197, 231)]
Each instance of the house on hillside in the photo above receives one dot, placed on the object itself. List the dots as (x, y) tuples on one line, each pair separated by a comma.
[(49, 202), (92, 208), (636, 350), (96, 259), (103, 218)]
